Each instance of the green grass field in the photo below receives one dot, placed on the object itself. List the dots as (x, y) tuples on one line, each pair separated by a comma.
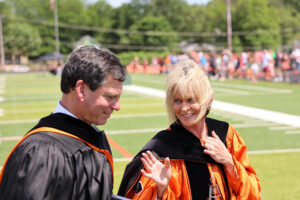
[(24, 98)]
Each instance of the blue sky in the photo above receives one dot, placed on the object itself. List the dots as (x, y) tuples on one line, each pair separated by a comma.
[(117, 3)]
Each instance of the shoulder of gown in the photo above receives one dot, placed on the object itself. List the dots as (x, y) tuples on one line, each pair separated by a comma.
[(52, 166)]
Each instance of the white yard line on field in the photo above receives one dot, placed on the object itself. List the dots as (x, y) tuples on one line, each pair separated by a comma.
[(133, 105), (138, 115), (233, 92), (249, 152), (136, 105), (11, 138), (258, 113), (2, 80), (279, 128), (159, 82), (132, 131), (23, 110), (122, 159), (277, 117), (273, 151), (2, 91), (135, 131), (250, 125), (293, 132), (2, 84), (112, 132), (25, 121), (112, 117), (257, 88), (145, 90)]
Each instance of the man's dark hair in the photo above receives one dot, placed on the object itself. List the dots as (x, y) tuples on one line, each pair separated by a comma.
[(91, 65)]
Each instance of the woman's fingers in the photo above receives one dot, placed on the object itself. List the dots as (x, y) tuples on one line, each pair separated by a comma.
[(145, 173), (151, 156), (148, 159), (213, 133), (167, 162), (146, 164)]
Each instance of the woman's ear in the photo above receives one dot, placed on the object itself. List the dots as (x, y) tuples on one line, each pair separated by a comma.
[(80, 89), (209, 105), (211, 100)]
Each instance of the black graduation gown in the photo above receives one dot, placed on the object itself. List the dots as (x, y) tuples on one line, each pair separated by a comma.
[(52, 166), (178, 143)]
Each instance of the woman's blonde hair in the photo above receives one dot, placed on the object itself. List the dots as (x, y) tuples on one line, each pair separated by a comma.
[(189, 80)]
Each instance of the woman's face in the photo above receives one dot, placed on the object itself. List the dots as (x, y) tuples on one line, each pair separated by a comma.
[(186, 110)]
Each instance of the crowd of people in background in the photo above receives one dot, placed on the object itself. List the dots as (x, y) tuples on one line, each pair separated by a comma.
[(270, 65)]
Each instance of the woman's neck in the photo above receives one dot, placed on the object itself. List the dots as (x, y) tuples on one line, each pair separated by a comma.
[(199, 130)]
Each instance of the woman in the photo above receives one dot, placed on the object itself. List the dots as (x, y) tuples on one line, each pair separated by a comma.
[(196, 157)]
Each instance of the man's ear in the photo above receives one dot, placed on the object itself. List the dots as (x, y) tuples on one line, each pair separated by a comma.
[(80, 89)]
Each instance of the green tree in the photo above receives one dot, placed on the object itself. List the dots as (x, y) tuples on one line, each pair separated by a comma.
[(293, 6), (215, 22), (37, 12), (260, 23), (289, 21), (73, 13), (176, 12), (101, 15), (4, 9), (21, 38), (153, 24), (125, 16), (30, 9)]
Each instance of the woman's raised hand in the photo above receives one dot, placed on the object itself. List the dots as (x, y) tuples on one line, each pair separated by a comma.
[(157, 171)]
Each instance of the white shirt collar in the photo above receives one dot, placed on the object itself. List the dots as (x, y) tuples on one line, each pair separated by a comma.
[(60, 109)]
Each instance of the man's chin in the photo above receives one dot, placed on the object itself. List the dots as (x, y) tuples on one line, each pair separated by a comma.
[(102, 122)]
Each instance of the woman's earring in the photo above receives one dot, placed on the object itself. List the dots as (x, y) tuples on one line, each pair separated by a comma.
[(208, 110)]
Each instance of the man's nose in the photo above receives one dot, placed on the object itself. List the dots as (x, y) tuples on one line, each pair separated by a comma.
[(117, 105)]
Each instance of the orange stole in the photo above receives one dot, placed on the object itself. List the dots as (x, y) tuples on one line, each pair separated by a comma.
[(53, 130)]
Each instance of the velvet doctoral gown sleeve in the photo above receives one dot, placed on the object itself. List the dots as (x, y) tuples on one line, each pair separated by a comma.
[(246, 185), (44, 167)]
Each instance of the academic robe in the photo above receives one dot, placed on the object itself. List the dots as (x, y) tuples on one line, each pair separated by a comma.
[(192, 169), (60, 158)]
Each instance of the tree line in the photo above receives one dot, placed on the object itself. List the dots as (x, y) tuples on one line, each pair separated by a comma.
[(152, 25)]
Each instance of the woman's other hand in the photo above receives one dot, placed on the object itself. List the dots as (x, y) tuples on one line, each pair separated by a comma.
[(216, 149)]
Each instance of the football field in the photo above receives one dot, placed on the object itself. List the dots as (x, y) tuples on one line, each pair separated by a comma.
[(274, 147)]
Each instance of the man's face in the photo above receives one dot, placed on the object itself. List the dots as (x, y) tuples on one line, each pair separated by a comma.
[(99, 104)]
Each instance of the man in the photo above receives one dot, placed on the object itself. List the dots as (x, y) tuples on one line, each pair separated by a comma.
[(65, 156)]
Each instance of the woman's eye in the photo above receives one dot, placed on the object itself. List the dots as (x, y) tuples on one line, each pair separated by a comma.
[(177, 100), (191, 100)]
